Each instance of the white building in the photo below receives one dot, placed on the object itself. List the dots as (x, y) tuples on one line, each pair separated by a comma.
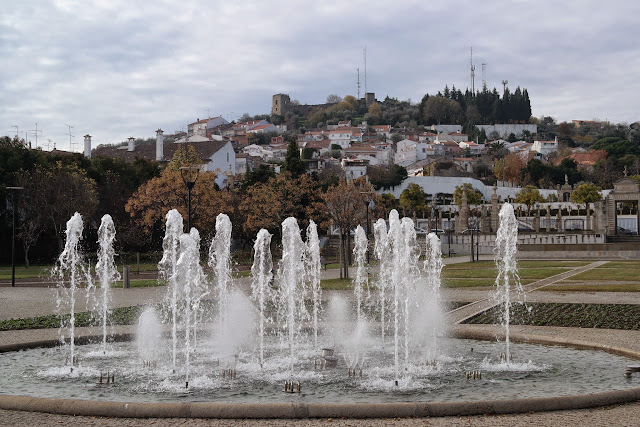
[(545, 147)]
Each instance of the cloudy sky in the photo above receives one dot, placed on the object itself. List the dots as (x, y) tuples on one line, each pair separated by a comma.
[(120, 68)]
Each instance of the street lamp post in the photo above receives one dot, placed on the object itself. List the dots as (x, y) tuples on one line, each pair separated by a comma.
[(189, 176), (14, 205)]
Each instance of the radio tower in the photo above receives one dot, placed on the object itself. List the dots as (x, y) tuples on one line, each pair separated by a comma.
[(484, 76), (358, 71), (365, 70), (504, 87), (70, 136), (35, 132), (473, 73)]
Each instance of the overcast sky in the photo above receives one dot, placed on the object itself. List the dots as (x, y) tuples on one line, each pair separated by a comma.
[(120, 68)]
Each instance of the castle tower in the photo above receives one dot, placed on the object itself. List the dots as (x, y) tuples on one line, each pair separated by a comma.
[(280, 104)]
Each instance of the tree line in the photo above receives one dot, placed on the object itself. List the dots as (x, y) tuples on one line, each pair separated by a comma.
[(138, 195)]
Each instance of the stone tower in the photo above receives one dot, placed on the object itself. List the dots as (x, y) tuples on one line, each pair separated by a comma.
[(280, 104)]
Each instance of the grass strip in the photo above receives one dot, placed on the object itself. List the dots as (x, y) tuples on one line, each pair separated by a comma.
[(608, 316), (595, 287)]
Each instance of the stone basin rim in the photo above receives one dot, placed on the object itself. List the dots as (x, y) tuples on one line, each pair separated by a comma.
[(79, 407)]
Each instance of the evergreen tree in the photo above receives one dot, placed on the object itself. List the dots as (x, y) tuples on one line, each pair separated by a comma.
[(292, 162)]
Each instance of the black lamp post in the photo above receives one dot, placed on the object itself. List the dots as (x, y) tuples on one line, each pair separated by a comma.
[(15, 195), (189, 176), (367, 205)]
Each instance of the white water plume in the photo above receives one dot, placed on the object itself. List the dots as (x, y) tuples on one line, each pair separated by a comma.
[(507, 281), (106, 270)]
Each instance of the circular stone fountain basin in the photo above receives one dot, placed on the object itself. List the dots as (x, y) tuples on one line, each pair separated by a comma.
[(536, 371)]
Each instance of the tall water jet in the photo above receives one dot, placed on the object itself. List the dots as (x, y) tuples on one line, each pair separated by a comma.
[(410, 272), (262, 273), (106, 270), (429, 320), (313, 272), (71, 267), (167, 271), (188, 273), (362, 278), (380, 250), (290, 297), (402, 274), (508, 280), (200, 286), (220, 263)]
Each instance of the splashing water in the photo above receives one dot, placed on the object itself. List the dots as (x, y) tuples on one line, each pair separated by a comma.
[(313, 273), (262, 273), (167, 271), (399, 254), (290, 296), (200, 286), (220, 263), (188, 273), (71, 267), (507, 280), (106, 270), (429, 320), (362, 278), (149, 335), (380, 250)]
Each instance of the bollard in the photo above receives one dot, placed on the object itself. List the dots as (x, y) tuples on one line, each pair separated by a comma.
[(126, 284)]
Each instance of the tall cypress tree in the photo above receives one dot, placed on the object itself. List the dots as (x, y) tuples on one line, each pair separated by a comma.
[(292, 161)]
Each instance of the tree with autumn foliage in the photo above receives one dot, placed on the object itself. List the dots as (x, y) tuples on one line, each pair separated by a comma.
[(508, 168), (156, 197), (266, 205), (345, 205), (50, 197)]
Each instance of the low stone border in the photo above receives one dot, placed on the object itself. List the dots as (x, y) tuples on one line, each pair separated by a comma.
[(346, 410)]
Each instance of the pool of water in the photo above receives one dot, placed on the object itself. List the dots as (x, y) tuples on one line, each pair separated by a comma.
[(535, 371)]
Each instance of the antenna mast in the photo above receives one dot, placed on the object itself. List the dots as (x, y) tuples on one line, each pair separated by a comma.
[(484, 76), (70, 136), (35, 132), (473, 73), (365, 70), (358, 71), (504, 86)]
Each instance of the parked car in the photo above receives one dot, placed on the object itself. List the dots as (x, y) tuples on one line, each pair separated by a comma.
[(620, 231)]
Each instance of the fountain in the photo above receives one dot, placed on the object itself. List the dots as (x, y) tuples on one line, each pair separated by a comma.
[(71, 267), (248, 346), (507, 281), (262, 272), (106, 271)]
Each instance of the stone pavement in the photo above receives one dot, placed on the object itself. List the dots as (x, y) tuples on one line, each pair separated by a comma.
[(26, 302)]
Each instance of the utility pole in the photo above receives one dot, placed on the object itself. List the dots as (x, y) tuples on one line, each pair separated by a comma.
[(16, 126), (35, 132), (70, 136)]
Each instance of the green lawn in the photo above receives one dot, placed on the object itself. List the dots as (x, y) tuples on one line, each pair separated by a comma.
[(336, 284), (139, 283), (581, 287), (525, 273), (468, 283), (623, 274)]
